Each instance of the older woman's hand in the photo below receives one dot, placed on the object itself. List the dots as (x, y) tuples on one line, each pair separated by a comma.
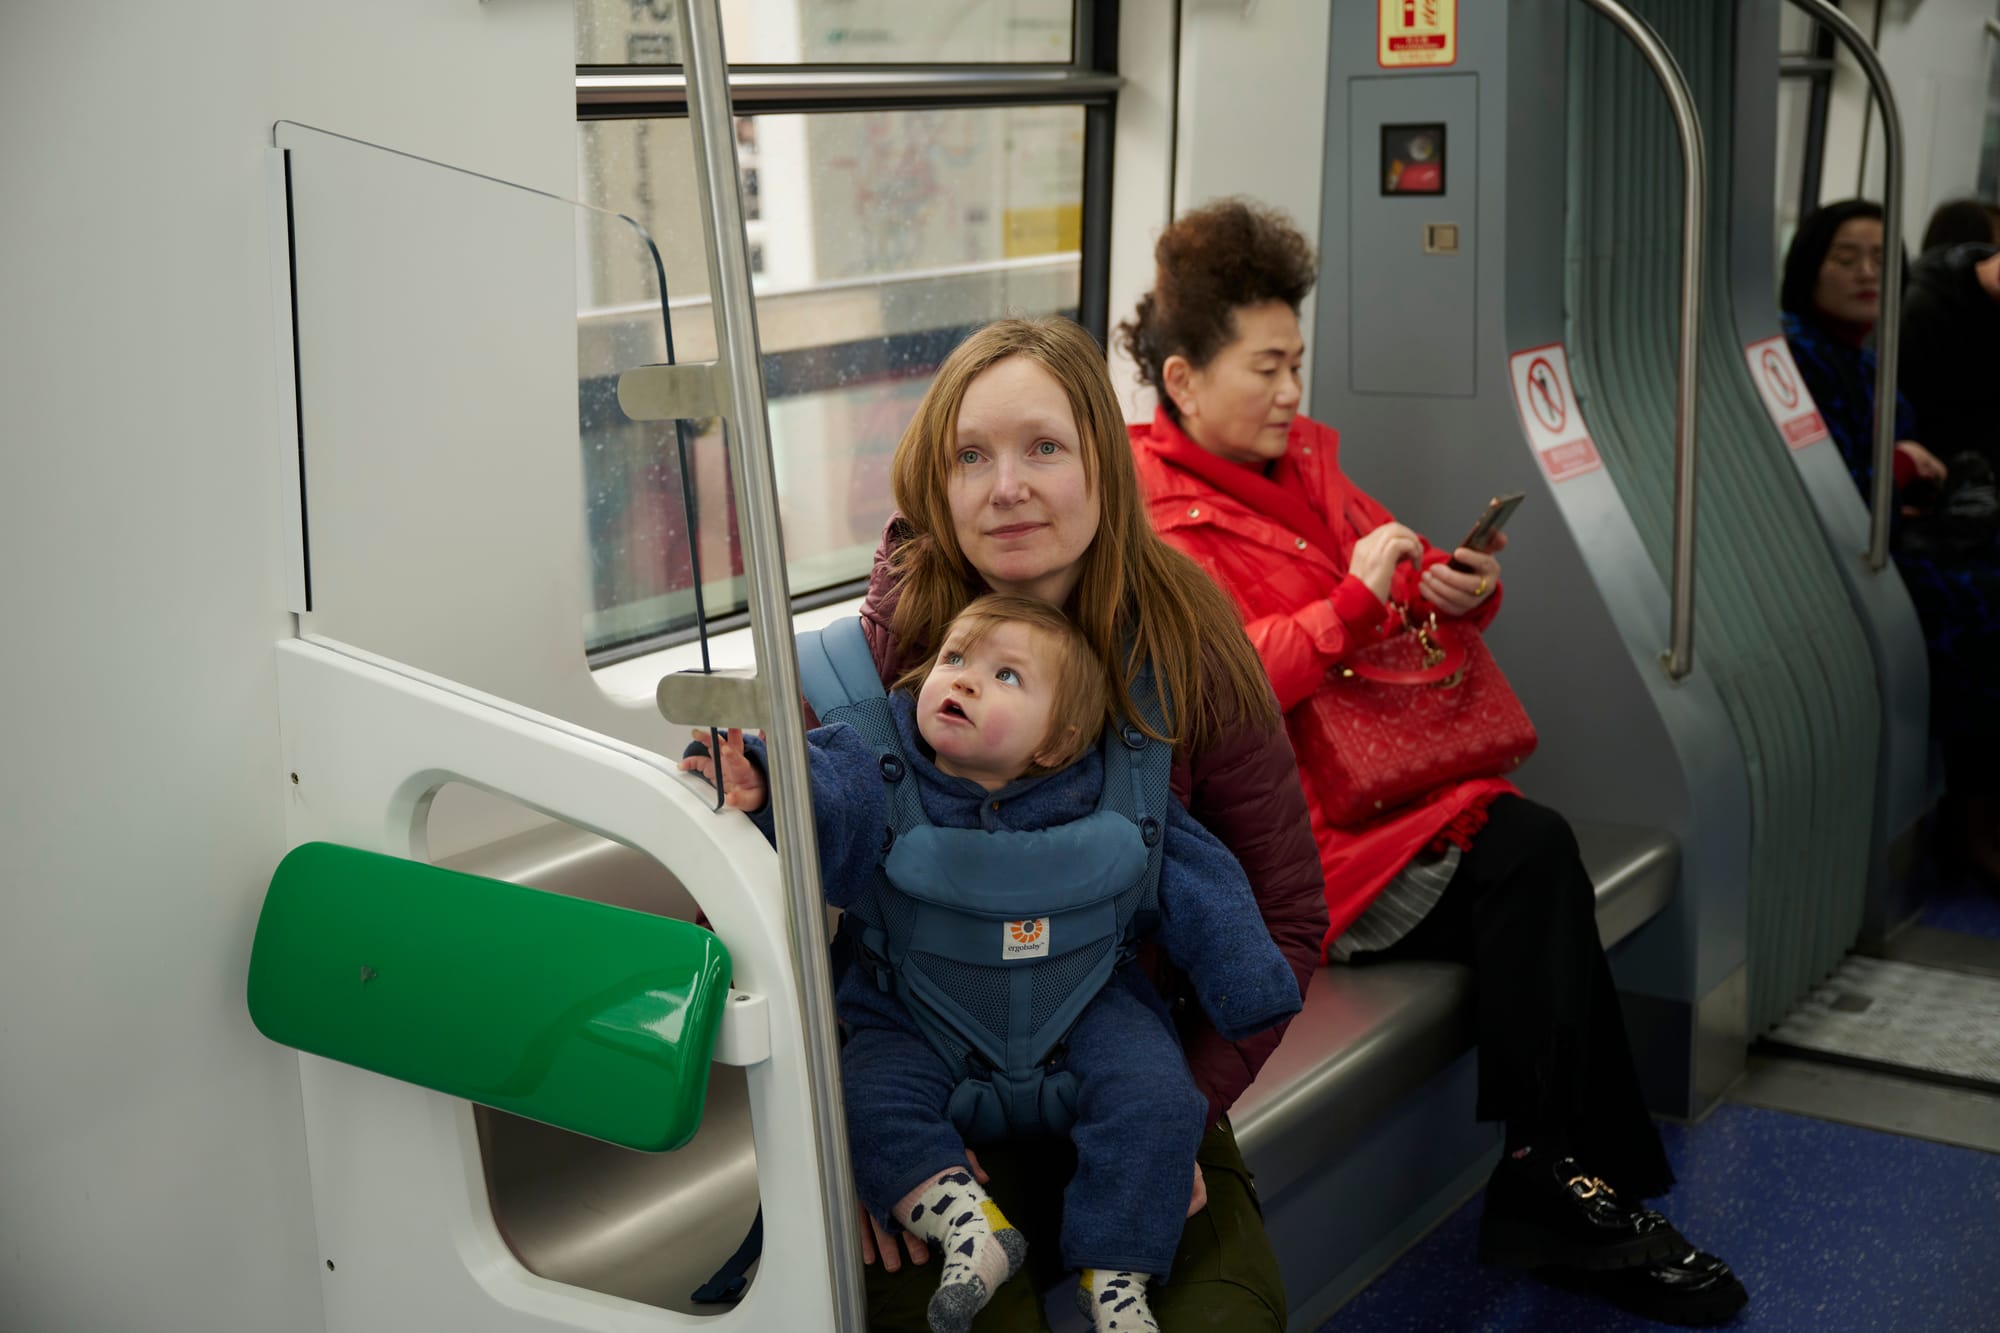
[(1376, 555), (1928, 465), (1454, 593)]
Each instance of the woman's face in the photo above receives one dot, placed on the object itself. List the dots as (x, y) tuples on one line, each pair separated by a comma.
[(1850, 280), (1241, 404), (1021, 507)]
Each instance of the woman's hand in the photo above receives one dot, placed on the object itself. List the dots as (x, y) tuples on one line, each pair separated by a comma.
[(1376, 556), (1456, 594), (743, 785), (876, 1241), (1200, 1199), (1928, 466)]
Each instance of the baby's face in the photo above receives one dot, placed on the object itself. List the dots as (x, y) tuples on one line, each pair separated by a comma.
[(985, 709)]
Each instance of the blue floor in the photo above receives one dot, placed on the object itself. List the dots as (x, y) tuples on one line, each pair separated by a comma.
[(1965, 905), (1831, 1228)]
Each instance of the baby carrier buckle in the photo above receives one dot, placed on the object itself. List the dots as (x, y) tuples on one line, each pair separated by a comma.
[(999, 1104)]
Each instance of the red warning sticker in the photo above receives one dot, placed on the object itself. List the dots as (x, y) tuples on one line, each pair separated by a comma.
[(1549, 413), (1792, 409)]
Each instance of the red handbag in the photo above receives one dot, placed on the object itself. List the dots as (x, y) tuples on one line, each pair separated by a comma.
[(1421, 710)]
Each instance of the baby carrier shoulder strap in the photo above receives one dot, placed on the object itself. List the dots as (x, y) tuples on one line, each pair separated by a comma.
[(838, 678), (835, 667), (1137, 784)]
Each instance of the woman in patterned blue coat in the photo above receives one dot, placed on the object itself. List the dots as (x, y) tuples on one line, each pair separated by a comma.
[(1832, 300)]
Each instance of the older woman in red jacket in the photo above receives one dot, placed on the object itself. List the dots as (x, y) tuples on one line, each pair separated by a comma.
[(1471, 871)]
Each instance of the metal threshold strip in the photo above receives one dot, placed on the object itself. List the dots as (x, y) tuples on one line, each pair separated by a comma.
[(1931, 1023)]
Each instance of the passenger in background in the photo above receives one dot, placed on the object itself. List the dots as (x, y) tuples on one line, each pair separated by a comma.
[(1962, 222), (1470, 872), (1943, 533), (1951, 345), (1831, 299), (1014, 477)]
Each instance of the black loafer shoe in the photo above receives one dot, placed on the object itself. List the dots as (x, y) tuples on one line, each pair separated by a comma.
[(1694, 1290), (1543, 1213)]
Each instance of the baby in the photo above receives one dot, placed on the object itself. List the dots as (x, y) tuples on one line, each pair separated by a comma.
[(1000, 734)]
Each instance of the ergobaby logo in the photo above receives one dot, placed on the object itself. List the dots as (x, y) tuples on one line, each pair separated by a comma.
[(1025, 939)]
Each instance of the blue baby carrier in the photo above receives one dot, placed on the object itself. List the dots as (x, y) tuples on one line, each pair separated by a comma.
[(996, 940)]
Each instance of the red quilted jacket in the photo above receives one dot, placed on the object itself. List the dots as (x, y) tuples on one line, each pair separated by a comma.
[(1263, 539), (1244, 788)]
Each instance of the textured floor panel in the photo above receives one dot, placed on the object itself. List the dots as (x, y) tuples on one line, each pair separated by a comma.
[(1925, 1019), (1831, 1228)]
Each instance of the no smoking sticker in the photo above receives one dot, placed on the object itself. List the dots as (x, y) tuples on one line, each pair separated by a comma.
[(1547, 398), (1549, 414), (1792, 409)]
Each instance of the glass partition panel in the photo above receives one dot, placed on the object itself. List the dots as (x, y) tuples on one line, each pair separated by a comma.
[(644, 479), (469, 480), (879, 240), (825, 32)]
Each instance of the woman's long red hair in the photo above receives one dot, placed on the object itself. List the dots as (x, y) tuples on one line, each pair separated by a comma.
[(1134, 586)]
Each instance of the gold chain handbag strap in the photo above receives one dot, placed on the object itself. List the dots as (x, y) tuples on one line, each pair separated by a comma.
[(1444, 656), (1426, 632)]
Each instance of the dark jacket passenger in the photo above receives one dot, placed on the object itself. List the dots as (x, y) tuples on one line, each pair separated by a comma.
[(1950, 358)]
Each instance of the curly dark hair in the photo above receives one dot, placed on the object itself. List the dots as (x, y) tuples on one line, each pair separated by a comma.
[(1209, 264)]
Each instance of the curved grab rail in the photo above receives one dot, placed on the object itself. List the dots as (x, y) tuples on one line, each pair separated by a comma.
[(771, 627), (1888, 330), (1679, 657)]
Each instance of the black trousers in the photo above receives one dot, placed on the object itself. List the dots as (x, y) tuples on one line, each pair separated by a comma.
[(1554, 1062)]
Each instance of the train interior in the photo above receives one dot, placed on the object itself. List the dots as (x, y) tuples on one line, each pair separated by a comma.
[(350, 558)]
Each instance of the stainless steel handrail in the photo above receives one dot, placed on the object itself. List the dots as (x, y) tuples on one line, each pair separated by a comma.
[(771, 631), (667, 92), (1888, 330), (866, 282), (1679, 656)]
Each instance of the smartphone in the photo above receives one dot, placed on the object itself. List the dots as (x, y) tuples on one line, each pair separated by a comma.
[(1498, 510)]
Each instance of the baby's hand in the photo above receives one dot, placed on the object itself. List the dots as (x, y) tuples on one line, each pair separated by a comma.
[(742, 784)]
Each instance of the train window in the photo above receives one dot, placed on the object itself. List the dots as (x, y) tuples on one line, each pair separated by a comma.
[(884, 237), (813, 32), (880, 234), (1805, 82), (1795, 97)]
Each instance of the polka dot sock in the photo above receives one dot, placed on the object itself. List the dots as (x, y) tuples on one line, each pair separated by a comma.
[(980, 1247), (1115, 1300)]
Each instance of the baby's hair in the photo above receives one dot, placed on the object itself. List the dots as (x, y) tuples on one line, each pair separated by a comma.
[(1082, 698)]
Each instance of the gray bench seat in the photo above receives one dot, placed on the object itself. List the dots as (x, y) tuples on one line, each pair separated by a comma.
[(1369, 1036), (652, 1227)]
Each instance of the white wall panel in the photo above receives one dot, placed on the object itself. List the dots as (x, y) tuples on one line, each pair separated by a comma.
[(152, 1167), (1252, 110)]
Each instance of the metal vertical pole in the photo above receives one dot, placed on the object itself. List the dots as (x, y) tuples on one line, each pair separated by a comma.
[(1888, 330), (1694, 221), (735, 315)]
